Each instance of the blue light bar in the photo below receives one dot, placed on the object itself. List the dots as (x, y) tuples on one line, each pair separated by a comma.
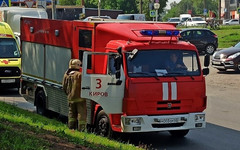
[(149, 32), (160, 32), (172, 32)]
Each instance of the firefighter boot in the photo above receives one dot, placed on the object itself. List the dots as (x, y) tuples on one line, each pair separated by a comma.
[(72, 123), (81, 127)]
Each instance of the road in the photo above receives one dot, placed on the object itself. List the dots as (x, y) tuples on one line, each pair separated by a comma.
[(222, 116)]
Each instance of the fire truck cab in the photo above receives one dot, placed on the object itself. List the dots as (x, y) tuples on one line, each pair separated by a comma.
[(128, 75)]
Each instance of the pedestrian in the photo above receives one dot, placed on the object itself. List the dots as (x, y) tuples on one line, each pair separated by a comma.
[(77, 105)]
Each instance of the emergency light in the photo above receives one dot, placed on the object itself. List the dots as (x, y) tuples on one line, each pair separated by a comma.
[(160, 32)]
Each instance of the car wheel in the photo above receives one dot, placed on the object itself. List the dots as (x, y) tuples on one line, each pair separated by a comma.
[(237, 68), (103, 127), (210, 48), (179, 133)]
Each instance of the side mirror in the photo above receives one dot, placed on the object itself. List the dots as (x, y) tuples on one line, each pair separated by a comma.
[(206, 60), (205, 71)]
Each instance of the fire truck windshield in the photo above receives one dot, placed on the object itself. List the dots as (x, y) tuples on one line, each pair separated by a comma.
[(9, 48), (152, 63)]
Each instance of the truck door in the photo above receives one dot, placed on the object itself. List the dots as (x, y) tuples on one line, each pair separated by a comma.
[(103, 88)]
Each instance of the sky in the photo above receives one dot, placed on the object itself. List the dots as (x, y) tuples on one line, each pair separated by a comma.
[(170, 1)]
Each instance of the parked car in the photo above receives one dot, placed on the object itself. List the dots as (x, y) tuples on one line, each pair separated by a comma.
[(231, 22), (195, 21), (224, 21), (228, 58), (138, 17), (205, 40), (175, 20), (96, 17)]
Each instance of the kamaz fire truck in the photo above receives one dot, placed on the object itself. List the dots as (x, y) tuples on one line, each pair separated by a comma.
[(125, 77)]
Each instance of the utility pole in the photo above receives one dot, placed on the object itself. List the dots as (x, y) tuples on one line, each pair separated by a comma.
[(99, 8), (140, 5), (219, 9), (204, 5), (54, 14)]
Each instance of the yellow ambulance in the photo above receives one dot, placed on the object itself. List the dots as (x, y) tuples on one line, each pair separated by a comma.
[(10, 58)]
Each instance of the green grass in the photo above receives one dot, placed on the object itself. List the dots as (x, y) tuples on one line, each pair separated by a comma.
[(21, 129), (227, 35)]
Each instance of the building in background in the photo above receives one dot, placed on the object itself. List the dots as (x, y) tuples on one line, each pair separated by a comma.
[(229, 9)]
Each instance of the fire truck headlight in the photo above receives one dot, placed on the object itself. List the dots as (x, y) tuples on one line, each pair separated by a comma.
[(200, 117), (133, 121)]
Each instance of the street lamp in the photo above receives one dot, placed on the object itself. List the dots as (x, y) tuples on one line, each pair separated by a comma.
[(156, 7)]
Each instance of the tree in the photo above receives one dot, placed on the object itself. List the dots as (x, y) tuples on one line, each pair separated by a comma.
[(146, 10), (128, 6), (196, 7), (67, 2)]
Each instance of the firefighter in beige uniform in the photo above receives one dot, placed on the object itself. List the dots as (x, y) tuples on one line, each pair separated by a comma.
[(77, 105)]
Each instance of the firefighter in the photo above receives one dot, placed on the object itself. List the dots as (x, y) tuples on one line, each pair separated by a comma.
[(77, 105), (175, 63)]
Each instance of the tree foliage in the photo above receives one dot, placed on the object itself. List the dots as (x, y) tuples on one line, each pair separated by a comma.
[(196, 6), (67, 2), (128, 6)]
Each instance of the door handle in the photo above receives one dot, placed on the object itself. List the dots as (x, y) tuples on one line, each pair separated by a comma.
[(86, 88)]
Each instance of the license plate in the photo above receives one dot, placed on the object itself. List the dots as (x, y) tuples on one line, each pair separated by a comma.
[(167, 120), (216, 62), (8, 81)]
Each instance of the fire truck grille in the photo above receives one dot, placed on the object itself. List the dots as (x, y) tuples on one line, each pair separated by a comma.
[(168, 105), (167, 125), (9, 71)]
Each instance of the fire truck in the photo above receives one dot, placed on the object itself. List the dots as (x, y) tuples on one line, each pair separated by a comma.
[(125, 78)]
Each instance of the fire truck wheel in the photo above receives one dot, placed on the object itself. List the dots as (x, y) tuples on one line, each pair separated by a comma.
[(103, 127), (179, 133), (40, 103)]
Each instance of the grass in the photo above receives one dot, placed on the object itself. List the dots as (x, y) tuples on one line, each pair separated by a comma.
[(227, 35), (21, 129)]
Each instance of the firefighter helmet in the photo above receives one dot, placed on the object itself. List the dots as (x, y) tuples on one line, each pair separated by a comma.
[(74, 64)]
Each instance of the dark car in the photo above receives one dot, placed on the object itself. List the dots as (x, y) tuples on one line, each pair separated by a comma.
[(204, 39), (228, 58)]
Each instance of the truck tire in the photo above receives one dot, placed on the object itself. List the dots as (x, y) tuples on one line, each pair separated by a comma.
[(103, 127), (179, 133), (41, 103), (210, 48)]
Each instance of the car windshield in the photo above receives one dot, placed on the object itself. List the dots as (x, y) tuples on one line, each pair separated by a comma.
[(197, 19), (174, 20), (8, 48), (237, 45), (154, 63)]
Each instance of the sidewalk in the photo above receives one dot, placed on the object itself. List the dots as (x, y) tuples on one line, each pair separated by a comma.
[(19, 102)]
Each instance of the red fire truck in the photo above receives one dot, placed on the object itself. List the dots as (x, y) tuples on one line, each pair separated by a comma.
[(127, 77)]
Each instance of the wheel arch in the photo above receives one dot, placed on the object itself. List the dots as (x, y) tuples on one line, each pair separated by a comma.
[(39, 88)]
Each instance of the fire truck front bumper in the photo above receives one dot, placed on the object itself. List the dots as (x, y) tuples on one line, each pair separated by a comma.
[(146, 123)]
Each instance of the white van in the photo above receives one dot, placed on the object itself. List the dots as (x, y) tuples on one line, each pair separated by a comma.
[(184, 17), (138, 17)]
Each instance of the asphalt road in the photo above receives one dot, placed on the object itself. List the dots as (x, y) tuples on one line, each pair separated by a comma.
[(222, 115)]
